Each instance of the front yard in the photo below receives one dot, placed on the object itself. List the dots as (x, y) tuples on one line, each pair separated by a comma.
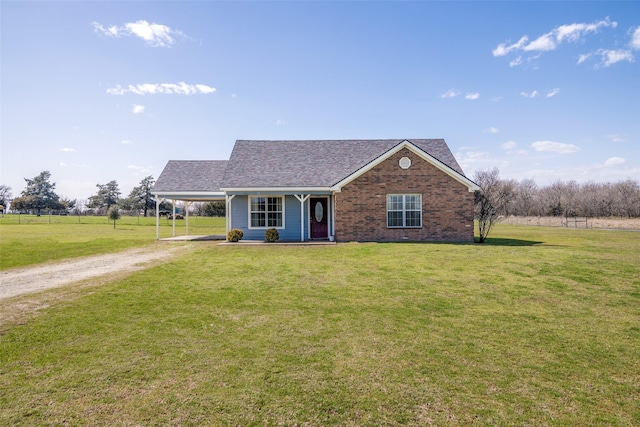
[(540, 326)]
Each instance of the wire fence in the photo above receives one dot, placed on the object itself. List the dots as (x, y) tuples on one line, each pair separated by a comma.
[(549, 221)]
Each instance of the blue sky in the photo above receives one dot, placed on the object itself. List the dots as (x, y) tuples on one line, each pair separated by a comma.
[(101, 91)]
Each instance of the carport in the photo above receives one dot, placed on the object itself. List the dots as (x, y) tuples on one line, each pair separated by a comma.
[(188, 181)]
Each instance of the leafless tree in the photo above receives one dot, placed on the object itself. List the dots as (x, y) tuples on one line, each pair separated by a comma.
[(491, 200)]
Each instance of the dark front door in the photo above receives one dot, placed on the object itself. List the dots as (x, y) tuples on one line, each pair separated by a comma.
[(319, 218)]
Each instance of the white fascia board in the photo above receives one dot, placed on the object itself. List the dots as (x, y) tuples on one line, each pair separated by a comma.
[(471, 186), (189, 195), (281, 190)]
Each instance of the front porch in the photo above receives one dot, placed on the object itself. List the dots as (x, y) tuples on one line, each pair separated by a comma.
[(298, 216)]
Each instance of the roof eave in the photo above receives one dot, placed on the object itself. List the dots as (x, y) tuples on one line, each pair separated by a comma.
[(275, 189), (189, 195)]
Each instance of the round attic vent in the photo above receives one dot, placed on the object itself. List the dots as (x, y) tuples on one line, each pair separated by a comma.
[(405, 163)]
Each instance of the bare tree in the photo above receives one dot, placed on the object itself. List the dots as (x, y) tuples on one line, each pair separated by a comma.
[(491, 200), (526, 197)]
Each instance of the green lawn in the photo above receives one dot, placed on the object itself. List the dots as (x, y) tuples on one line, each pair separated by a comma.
[(28, 239), (539, 326)]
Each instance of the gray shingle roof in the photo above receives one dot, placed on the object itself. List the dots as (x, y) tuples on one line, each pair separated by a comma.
[(320, 163), (191, 175)]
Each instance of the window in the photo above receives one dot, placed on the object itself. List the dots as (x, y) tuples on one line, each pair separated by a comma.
[(404, 210), (266, 211)]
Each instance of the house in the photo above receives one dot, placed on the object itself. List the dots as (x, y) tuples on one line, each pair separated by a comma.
[(347, 190)]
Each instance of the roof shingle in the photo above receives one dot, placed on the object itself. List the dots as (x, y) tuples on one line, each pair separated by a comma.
[(191, 175), (306, 163)]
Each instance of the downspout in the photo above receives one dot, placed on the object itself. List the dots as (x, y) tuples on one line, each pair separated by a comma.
[(333, 216)]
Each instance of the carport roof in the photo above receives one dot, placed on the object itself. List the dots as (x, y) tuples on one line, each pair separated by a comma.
[(190, 177)]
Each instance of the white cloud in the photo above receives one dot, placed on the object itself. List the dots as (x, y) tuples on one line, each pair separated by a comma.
[(543, 43), (553, 92), (180, 88), (503, 49), (67, 149), (451, 93), (63, 164), (137, 109), (280, 122), (529, 95), (205, 89), (472, 95), (582, 58), (515, 62), (493, 130), (573, 32), (555, 147), (615, 161), (126, 142), (552, 39), (153, 34), (509, 145), (608, 57), (635, 39), (616, 138)]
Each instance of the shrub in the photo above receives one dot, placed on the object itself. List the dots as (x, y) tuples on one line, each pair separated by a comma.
[(271, 235), (235, 235)]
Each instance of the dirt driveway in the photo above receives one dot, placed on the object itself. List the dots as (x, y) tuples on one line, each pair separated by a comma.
[(52, 275)]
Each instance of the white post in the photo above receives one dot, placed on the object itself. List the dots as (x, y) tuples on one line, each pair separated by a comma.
[(173, 217), (302, 198), (158, 219), (186, 207), (228, 223)]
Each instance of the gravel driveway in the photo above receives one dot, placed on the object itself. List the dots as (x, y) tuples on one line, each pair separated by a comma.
[(32, 279)]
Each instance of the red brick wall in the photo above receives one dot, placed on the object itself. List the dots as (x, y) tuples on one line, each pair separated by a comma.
[(361, 206)]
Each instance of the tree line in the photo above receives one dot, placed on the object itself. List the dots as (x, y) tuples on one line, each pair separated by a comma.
[(496, 198), (39, 196), (503, 197)]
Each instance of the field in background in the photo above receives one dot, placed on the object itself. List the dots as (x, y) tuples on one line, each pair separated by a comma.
[(28, 239), (538, 326), (609, 223)]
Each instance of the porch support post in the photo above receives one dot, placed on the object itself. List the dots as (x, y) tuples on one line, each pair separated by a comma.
[(302, 198), (228, 212), (187, 204), (157, 219), (173, 217)]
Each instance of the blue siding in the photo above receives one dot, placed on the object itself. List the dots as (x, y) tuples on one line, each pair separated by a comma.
[(291, 230)]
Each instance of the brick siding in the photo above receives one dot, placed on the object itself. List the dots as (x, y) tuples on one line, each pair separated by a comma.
[(447, 205)]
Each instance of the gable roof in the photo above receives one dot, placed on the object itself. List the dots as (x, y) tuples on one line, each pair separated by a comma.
[(317, 163), (190, 177)]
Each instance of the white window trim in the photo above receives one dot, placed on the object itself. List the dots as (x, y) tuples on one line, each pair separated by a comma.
[(404, 210), (266, 196)]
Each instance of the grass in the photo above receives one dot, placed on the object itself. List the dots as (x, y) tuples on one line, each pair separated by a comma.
[(538, 326), (27, 239)]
